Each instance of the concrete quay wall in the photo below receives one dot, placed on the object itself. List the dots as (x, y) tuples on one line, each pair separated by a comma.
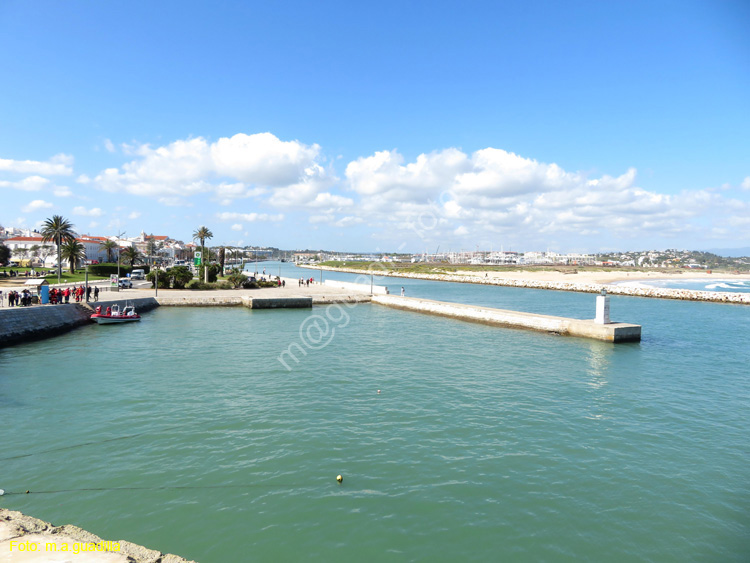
[(23, 324), (67, 543), (652, 292), (612, 332)]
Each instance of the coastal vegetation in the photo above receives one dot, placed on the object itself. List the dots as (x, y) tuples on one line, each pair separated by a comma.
[(108, 246), (57, 229), (74, 252), (4, 254), (132, 256)]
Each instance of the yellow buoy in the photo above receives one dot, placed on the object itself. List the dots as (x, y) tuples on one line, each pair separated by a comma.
[(339, 478)]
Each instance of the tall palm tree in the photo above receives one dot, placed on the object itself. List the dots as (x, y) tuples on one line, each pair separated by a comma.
[(131, 255), (109, 247), (73, 251), (59, 230), (202, 234)]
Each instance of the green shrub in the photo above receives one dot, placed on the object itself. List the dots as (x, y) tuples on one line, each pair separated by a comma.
[(213, 272), (164, 279), (197, 284), (180, 276)]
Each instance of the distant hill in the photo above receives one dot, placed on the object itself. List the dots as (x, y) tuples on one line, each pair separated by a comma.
[(730, 252)]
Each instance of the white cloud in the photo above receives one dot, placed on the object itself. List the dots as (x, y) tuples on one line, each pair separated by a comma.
[(58, 165), (746, 183), (30, 184), (109, 146), (94, 212), (134, 215), (495, 195), (36, 205), (233, 167), (237, 227), (249, 217), (62, 191)]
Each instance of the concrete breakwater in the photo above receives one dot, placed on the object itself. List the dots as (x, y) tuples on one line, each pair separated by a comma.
[(23, 538), (610, 332), (653, 292)]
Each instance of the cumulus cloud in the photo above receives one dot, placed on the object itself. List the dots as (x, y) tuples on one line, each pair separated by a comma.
[(36, 205), (62, 191), (249, 217), (94, 212), (242, 166), (237, 227), (134, 215), (496, 195), (30, 184), (58, 165), (746, 183)]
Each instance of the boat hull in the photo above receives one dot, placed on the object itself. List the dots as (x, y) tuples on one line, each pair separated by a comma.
[(108, 319)]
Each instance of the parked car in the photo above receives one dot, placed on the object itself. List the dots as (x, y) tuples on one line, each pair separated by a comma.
[(125, 283)]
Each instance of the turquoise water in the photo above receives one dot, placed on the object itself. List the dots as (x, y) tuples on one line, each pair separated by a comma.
[(483, 443)]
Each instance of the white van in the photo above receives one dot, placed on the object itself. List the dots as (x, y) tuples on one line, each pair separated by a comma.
[(137, 275)]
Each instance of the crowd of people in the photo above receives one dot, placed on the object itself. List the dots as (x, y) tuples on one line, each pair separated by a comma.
[(57, 296), (78, 294), (16, 298)]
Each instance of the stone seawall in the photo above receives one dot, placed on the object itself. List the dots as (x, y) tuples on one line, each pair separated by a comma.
[(652, 292), (23, 324)]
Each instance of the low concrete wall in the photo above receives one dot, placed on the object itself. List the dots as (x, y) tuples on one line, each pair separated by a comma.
[(613, 332), (200, 301), (278, 302)]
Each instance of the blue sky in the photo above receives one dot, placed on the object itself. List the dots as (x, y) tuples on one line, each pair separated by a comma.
[(573, 126)]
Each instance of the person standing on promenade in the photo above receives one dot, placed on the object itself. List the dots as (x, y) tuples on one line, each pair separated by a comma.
[(1, 298), (96, 293), (403, 292)]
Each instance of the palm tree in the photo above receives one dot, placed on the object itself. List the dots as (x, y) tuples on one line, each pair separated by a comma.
[(131, 255), (108, 246), (59, 230), (73, 251), (202, 234)]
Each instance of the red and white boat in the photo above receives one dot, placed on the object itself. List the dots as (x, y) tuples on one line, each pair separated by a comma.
[(113, 315)]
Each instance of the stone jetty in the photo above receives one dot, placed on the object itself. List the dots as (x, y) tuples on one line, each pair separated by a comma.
[(610, 332)]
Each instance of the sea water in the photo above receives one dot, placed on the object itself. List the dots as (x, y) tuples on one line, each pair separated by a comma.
[(456, 441)]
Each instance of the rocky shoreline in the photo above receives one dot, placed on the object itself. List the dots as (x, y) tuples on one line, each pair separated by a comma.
[(28, 539), (651, 292)]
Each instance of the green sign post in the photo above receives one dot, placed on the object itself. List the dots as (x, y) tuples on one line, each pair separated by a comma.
[(197, 258)]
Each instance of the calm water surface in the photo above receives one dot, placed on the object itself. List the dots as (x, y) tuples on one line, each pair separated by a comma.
[(190, 436)]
